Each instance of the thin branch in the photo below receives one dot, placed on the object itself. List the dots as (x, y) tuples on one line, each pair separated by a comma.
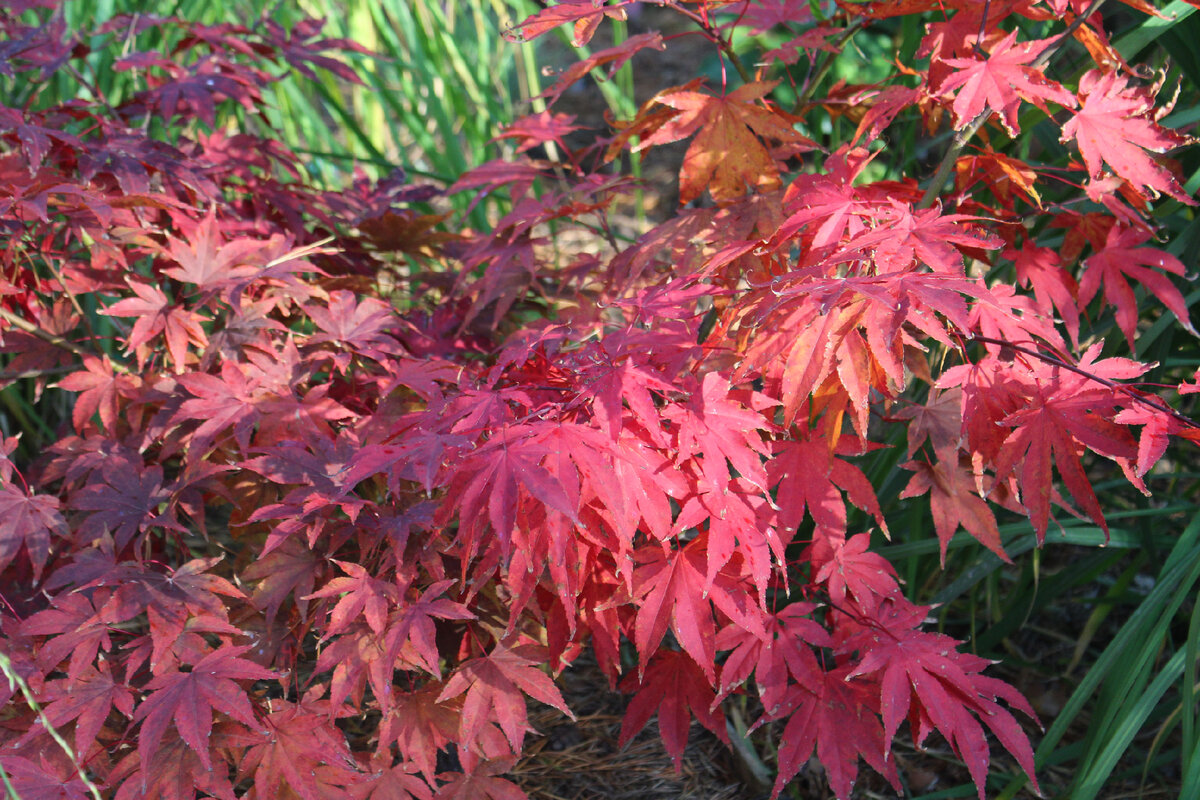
[(1120, 387), (823, 70), (938, 182), (1051, 49), (50, 338), (17, 375), (726, 45), (15, 681)]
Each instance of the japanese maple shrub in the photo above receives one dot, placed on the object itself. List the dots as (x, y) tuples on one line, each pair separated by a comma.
[(343, 487)]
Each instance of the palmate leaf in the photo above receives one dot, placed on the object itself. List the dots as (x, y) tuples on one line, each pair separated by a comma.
[(924, 677), (187, 700), (28, 522), (727, 156), (1114, 126), (999, 80), (495, 687), (1122, 257), (676, 688), (829, 702)]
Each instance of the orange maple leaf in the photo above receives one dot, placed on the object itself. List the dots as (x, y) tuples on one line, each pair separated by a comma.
[(727, 154)]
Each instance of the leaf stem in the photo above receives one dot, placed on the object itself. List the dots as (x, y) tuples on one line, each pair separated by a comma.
[(823, 70)]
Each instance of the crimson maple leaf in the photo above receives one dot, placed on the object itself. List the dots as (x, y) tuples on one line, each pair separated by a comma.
[(391, 782), (1123, 257), (585, 14), (88, 701), (81, 630), (156, 314), (674, 590), (481, 783), (1066, 413), (925, 673), (1000, 79), (953, 502), (421, 726), (125, 503), (175, 773), (785, 650), (99, 387), (1053, 285), (496, 685), (28, 521), (301, 750), (230, 400), (830, 702), (360, 594), (846, 565), (677, 689), (810, 478), (1115, 127), (187, 701), (33, 781)]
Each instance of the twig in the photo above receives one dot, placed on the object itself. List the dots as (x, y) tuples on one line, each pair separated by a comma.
[(1051, 49), (50, 338), (823, 70), (1120, 387), (725, 44)]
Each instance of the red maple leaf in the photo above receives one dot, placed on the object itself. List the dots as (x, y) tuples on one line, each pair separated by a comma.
[(88, 701), (411, 630), (28, 521), (99, 388), (846, 565), (421, 726), (480, 783), (156, 314), (676, 688), (1066, 413), (495, 687), (301, 753), (205, 260), (125, 503), (187, 701), (1115, 127), (787, 649), (33, 781), (585, 14), (1053, 285), (829, 701), (1123, 257), (721, 428), (391, 782), (924, 673), (674, 590), (81, 631), (953, 502), (1000, 79)]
